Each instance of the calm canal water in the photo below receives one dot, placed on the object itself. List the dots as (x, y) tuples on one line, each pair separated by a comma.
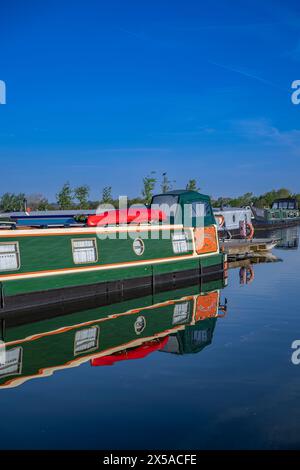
[(224, 383)]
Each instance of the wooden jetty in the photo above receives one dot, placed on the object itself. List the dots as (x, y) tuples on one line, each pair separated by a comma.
[(236, 248)]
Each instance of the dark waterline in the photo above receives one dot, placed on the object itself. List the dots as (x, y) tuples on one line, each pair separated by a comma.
[(240, 391)]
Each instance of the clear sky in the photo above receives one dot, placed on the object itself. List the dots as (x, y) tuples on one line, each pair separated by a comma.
[(103, 92)]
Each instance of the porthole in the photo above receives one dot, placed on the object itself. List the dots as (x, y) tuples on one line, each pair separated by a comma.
[(138, 246), (140, 325)]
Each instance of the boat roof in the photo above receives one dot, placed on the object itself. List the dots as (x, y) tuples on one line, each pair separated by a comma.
[(285, 199), (231, 209), (64, 213), (183, 192), (178, 191)]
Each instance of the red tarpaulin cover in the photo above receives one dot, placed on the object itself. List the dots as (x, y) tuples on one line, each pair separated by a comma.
[(125, 216), (135, 353)]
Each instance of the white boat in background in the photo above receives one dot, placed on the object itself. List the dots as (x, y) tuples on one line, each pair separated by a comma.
[(231, 219)]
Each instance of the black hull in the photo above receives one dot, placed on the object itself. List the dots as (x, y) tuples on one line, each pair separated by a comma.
[(105, 292), (265, 225)]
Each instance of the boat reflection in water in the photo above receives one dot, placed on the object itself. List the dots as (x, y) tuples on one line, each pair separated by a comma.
[(181, 321), (288, 238), (246, 266)]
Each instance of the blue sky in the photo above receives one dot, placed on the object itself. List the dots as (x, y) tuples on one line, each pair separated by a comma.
[(104, 92)]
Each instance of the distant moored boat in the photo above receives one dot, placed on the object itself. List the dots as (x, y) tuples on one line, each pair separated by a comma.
[(283, 213)]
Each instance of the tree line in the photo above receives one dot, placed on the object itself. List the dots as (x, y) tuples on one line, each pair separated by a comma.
[(79, 197), (248, 199)]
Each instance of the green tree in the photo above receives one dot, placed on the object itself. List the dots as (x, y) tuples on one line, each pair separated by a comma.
[(221, 201), (64, 197), (241, 201), (81, 193), (107, 195), (148, 187), (246, 199), (6, 202), (266, 199), (260, 202), (11, 202), (44, 205), (283, 192), (192, 185)]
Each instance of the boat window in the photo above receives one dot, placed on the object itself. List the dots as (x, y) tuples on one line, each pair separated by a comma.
[(200, 209), (9, 256), (86, 340), (200, 336), (167, 199), (167, 203), (12, 362), (283, 205), (84, 251), (140, 324), (138, 246), (208, 210), (181, 313), (180, 242)]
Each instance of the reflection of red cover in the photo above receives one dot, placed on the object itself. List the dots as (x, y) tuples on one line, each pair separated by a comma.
[(135, 353), (126, 216)]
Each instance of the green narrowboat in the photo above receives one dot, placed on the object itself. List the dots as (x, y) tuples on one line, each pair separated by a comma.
[(180, 321), (283, 213), (43, 266)]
